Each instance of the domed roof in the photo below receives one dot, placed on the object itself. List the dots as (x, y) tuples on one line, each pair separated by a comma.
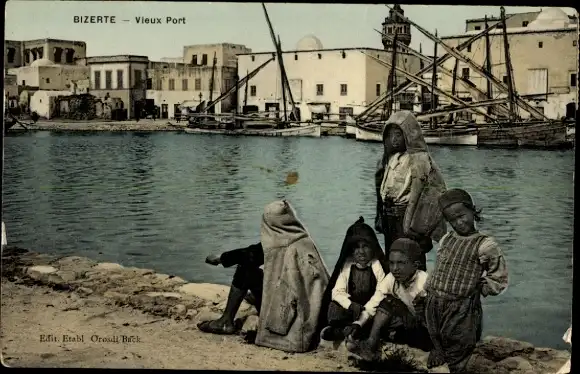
[(42, 62), (550, 17), (309, 43)]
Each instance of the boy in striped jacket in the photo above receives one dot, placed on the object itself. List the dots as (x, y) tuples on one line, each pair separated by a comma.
[(469, 264)]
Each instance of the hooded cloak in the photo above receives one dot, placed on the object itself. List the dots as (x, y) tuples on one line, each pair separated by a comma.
[(295, 279), (423, 214), (358, 230)]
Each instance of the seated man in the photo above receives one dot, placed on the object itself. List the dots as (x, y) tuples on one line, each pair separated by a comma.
[(401, 313), (360, 268), (288, 292)]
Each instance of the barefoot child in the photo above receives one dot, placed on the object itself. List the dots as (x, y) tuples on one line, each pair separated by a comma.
[(401, 311), (469, 264), (360, 267)]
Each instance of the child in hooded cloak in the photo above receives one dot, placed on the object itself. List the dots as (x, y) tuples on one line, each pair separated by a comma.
[(360, 268), (408, 184), (401, 312), (469, 264)]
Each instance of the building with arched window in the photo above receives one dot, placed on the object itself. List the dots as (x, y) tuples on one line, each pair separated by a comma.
[(24, 53)]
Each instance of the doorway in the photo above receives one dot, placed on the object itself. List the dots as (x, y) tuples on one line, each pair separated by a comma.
[(164, 111)]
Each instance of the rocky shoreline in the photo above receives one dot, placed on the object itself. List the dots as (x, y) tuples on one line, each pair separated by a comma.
[(170, 298)]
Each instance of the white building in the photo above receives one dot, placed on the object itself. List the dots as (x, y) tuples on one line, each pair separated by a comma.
[(43, 74), (544, 54), (341, 80), (177, 81)]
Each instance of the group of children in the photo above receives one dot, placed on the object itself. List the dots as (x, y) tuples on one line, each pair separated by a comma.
[(440, 312)]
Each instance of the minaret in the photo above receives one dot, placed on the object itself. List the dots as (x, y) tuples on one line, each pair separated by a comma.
[(394, 22)]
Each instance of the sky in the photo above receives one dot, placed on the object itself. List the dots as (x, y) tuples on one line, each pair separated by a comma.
[(336, 25)]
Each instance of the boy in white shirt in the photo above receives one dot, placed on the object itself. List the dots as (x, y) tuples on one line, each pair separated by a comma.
[(401, 309)]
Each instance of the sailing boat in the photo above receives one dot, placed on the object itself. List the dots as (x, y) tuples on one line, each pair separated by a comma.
[(288, 126), (510, 130)]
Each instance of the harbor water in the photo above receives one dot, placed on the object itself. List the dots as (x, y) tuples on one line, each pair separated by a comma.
[(166, 200)]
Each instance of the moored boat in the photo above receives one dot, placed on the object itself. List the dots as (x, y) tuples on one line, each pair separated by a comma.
[(350, 131), (308, 131), (465, 136), (368, 134)]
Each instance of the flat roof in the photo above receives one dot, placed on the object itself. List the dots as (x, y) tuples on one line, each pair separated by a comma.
[(514, 30), (116, 58), (321, 50), (497, 18)]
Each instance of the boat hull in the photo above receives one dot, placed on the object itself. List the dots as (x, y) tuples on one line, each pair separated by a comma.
[(542, 135), (368, 135), (308, 131), (450, 137), (350, 131)]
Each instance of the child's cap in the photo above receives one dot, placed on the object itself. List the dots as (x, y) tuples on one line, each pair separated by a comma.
[(407, 246), (453, 196)]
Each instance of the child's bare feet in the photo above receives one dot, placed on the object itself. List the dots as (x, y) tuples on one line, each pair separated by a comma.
[(435, 359), (363, 348), (213, 260)]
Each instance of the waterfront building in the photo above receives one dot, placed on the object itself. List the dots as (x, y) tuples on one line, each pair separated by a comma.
[(44, 74), (186, 80), (24, 53), (544, 54), (325, 83), (122, 77)]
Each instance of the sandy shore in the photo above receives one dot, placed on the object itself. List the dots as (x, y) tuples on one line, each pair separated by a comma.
[(73, 312)]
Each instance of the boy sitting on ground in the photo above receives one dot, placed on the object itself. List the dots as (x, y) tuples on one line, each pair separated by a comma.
[(400, 313)]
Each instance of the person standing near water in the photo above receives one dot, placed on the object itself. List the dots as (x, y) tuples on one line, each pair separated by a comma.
[(289, 291), (408, 184)]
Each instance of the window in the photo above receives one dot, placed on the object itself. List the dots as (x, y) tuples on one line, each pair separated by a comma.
[(138, 79), (253, 58), (465, 73), (504, 79), (389, 30), (343, 90), (319, 56), (319, 89), (194, 60), (295, 57), (149, 83), (344, 111), (171, 84), (252, 90), (574, 43), (378, 89), (477, 28), (11, 55), (24, 83), (540, 44), (469, 48), (525, 24), (119, 78), (204, 59), (198, 84), (184, 84), (97, 80), (573, 80), (108, 79), (70, 55), (47, 80), (159, 85)]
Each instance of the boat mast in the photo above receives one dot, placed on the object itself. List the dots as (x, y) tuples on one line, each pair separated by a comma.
[(488, 66), (388, 108), (246, 93), (408, 83), (280, 62), (476, 67), (211, 81), (454, 86), (509, 71), (283, 86), (434, 83)]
